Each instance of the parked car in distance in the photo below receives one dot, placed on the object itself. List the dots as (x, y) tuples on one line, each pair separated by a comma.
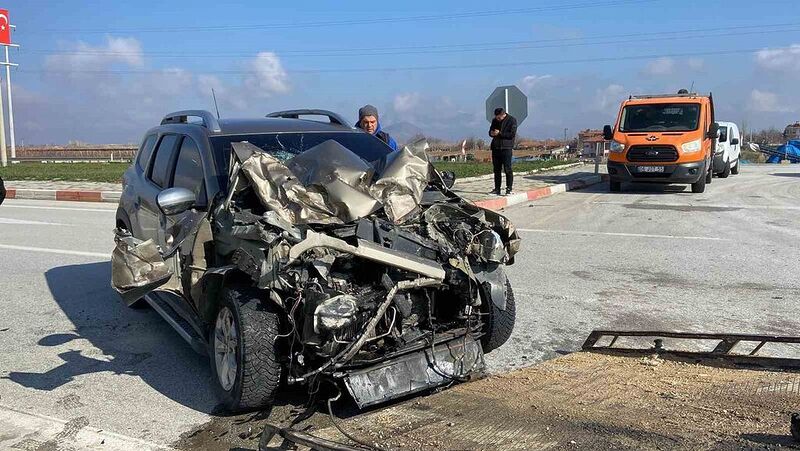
[(663, 139), (726, 154)]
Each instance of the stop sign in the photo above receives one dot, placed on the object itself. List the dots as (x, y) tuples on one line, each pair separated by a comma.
[(511, 99)]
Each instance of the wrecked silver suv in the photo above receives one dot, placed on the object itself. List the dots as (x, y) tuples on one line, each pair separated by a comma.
[(294, 251)]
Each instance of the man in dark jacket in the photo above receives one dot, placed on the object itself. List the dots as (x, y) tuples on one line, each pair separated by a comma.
[(503, 132), (2, 191), (368, 121)]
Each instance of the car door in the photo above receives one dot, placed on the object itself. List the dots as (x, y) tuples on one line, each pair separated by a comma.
[(157, 179), (188, 173), (154, 263)]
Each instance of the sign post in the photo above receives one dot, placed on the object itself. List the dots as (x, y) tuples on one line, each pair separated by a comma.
[(511, 99), (5, 41)]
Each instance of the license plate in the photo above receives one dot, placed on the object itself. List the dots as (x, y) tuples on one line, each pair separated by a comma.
[(651, 168)]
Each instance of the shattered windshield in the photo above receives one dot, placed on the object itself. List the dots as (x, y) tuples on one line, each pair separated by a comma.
[(284, 146), (682, 117)]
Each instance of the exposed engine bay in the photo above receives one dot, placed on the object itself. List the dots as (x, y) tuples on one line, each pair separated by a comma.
[(383, 276)]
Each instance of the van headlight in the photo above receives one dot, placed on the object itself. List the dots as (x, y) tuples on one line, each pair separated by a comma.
[(617, 147), (690, 147)]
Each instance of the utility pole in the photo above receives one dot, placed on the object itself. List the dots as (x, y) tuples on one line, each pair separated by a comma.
[(10, 107), (3, 155)]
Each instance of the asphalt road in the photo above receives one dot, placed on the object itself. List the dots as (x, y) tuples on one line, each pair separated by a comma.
[(73, 358)]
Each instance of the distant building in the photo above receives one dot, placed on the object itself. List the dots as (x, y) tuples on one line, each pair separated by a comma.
[(593, 144), (792, 131)]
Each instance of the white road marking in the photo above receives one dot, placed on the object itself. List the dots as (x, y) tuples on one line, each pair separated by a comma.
[(742, 207), (54, 251), (620, 234), (37, 207), (36, 429), (27, 222)]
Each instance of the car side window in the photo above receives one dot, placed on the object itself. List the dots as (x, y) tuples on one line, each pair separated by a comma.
[(723, 134), (145, 151), (160, 170), (189, 170)]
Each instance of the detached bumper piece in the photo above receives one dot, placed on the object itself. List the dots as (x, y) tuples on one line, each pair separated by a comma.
[(415, 372)]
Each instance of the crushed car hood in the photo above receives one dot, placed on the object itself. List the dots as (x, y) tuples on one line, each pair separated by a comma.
[(329, 184)]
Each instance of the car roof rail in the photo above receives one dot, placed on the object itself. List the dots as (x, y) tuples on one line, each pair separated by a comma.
[(295, 114), (182, 117)]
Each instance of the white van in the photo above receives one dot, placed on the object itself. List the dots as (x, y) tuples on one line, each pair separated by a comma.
[(726, 155)]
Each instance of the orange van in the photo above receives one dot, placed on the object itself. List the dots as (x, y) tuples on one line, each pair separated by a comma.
[(663, 139)]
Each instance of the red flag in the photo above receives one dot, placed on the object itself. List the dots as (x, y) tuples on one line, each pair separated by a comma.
[(5, 27)]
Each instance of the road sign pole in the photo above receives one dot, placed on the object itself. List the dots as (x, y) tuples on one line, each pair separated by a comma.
[(10, 107), (3, 156)]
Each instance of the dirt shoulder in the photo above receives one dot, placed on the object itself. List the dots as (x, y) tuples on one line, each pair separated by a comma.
[(583, 400), (595, 401)]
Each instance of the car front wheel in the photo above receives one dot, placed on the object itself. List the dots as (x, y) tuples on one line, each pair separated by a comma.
[(244, 354), (499, 323)]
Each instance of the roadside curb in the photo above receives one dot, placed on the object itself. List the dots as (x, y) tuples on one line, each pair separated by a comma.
[(539, 193), (66, 195)]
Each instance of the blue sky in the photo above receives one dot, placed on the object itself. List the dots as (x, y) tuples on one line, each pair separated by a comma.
[(102, 71)]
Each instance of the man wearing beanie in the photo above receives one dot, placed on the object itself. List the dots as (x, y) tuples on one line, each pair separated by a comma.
[(368, 121)]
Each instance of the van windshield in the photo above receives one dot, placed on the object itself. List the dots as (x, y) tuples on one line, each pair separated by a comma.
[(682, 117)]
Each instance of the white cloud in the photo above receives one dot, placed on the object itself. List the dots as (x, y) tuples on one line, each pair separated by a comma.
[(267, 75), (780, 59), (406, 103), (767, 102), (85, 57), (531, 81), (660, 67), (608, 97), (696, 63)]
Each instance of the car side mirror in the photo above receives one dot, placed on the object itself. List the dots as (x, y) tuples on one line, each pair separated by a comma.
[(173, 201), (608, 133), (734, 141), (713, 131), (449, 179)]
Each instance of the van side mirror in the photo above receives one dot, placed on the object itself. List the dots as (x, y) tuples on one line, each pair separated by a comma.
[(174, 201), (713, 131), (608, 133), (734, 141)]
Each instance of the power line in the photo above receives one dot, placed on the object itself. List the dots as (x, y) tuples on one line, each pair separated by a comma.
[(478, 47), (440, 67), (370, 21)]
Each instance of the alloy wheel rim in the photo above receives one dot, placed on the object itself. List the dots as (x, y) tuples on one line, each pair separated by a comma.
[(226, 338)]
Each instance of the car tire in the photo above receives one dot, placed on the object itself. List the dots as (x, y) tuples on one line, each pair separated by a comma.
[(614, 187), (709, 173), (735, 168), (499, 323), (726, 171), (700, 185), (251, 341)]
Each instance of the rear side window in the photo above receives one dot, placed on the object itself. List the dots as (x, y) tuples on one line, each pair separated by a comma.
[(723, 134), (145, 151), (189, 170), (160, 171)]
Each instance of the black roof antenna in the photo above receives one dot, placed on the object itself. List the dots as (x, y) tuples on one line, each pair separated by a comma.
[(214, 95)]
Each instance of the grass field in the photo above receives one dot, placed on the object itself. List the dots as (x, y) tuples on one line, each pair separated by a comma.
[(112, 172), (472, 169), (72, 172)]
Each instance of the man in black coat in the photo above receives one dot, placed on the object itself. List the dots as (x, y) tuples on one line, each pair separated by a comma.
[(503, 132), (2, 191)]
